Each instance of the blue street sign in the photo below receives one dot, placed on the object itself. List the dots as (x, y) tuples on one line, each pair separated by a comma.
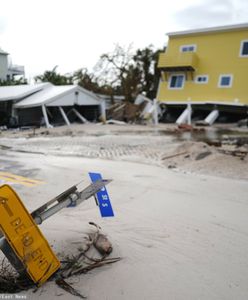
[(102, 197)]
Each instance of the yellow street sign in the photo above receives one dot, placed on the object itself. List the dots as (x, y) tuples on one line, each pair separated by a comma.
[(25, 238)]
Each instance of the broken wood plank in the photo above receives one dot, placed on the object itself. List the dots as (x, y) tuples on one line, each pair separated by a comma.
[(174, 155)]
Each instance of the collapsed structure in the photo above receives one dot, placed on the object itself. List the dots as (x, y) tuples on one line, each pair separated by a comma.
[(47, 104)]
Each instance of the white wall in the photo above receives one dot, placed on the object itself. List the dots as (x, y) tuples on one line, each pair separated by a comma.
[(3, 66), (86, 99)]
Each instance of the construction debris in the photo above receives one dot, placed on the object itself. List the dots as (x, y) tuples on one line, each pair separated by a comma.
[(243, 123), (239, 153), (174, 155), (126, 112), (188, 127)]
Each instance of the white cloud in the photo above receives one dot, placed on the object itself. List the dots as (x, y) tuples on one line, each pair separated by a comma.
[(73, 34), (209, 13)]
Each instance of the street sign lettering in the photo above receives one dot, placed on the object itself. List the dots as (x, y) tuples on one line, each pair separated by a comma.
[(102, 197), (25, 238)]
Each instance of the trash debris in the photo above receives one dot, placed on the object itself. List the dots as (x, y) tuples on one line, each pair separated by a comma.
[(116, 122), (83, 262), (239, 153), (101, 242), (127, 112), (188, 127), (185, 127), (103, 245), (243, 123)]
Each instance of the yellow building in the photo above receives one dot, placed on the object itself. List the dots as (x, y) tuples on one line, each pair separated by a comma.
[(206, 66)]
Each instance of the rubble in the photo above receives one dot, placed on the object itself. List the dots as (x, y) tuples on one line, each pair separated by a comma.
[(127, 112), (243, 123)]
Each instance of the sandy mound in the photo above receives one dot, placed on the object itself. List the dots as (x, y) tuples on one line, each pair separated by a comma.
[(198, 157)]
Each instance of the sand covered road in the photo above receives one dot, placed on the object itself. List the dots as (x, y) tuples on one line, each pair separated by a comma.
[(180, 236), (163, 145)]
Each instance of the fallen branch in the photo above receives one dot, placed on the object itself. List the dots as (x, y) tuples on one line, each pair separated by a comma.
[(68, 288), (95, 265), (174, 155), (12, 282)]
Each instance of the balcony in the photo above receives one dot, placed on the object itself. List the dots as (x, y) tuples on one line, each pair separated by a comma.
[(183, 61), (16, 70)]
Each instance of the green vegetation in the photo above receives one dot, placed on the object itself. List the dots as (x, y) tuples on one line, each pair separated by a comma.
[(120, 72)]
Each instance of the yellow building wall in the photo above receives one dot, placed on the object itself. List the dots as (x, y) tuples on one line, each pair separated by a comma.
[(218, 53)]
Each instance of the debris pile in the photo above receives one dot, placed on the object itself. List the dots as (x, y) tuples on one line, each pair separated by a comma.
[(243, 123), (201, 158), (235, 146), (188, 127), (127, 112), (187, 152), (11, 281), (93, 253)]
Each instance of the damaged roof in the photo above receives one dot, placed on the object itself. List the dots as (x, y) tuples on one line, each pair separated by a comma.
[(62, 95), (17, 92)]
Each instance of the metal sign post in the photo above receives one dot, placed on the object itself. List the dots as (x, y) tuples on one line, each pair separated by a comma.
[(25, 239), (22, 241)]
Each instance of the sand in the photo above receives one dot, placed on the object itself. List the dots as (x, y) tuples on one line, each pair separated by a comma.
[(181, 234)]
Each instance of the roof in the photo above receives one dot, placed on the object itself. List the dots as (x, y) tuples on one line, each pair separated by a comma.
[(17, 92), (57, 96), (45, 96), (89, 93), (207, 30)]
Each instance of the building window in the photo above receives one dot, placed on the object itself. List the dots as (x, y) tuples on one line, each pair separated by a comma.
[(225, 81), (188, 48), (201, 79), (244, 48), (176, 81)]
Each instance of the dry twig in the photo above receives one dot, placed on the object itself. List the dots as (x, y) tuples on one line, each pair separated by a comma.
[(12, 282)]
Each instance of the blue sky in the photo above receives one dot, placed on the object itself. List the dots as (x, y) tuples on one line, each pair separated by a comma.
[(73, 34)]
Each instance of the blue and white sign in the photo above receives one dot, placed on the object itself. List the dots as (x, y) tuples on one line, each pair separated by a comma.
[(102, 197)]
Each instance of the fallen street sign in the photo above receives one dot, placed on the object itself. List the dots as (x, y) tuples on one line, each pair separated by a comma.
[(24, 237), (102, 197)]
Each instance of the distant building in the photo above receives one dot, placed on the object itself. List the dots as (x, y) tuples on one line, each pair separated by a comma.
[(206, 68), (3, 65), (7, 70)]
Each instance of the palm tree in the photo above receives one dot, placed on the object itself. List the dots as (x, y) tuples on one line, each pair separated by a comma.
[(54, 77)]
